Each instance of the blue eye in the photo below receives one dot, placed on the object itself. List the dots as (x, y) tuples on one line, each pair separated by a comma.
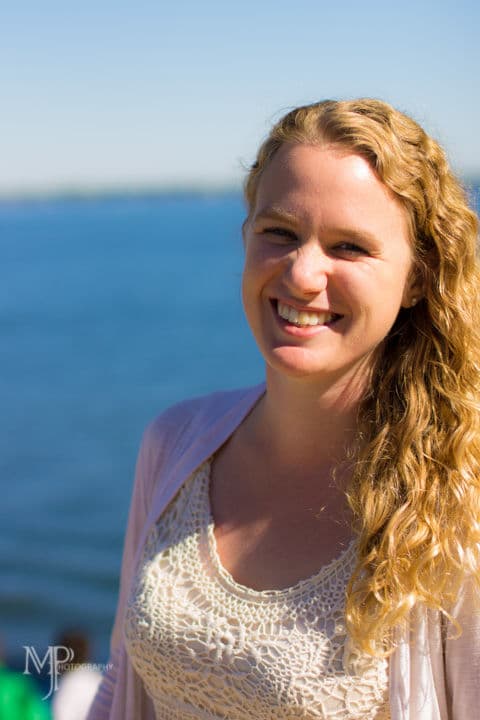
[(280, 233), (350, 249)]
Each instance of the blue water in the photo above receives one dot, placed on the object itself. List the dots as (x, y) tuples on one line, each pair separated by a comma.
[(110, 310)]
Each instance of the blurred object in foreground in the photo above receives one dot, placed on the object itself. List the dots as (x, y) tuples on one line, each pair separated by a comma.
[(20, 698), (79, 681)]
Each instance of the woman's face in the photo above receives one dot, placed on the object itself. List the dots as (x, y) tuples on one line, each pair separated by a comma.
[(328, 262)]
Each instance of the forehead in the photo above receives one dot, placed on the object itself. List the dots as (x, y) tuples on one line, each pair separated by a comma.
[(323, 170), (337, 185)]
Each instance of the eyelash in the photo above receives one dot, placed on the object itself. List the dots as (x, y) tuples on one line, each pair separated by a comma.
[(281, 232), (351, 248), (347, 247)]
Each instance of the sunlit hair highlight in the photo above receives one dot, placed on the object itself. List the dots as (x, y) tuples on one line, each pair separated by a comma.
[(415, 490)]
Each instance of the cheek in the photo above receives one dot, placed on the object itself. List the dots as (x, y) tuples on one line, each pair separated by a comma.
[(255, 272), (373, 294), (255, 287), (248, 290)]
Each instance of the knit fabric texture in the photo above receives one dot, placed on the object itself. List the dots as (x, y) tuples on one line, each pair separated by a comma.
[(207, 647)]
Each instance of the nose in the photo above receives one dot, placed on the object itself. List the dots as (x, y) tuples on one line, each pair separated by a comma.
[(308, 269)]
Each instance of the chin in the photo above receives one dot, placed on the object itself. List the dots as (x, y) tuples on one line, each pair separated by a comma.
[(291, 363)]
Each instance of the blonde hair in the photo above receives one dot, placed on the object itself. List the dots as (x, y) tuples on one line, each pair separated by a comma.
[(415, 490)]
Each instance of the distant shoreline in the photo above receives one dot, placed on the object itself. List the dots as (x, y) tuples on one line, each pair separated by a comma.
[(472, 184), (117, 193)]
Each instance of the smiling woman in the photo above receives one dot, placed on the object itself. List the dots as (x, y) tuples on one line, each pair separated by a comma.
[(325, 236), (311, 547)]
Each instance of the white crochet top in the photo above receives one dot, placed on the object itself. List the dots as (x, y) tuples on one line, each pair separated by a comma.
[(207, 647)]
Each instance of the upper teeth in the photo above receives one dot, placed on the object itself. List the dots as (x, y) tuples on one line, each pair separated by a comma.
[(303, 318)]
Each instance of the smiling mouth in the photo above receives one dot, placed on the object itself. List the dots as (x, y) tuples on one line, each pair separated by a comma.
[(301, 318)]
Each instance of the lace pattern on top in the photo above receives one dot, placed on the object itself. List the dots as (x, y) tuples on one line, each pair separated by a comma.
[(207, 647)]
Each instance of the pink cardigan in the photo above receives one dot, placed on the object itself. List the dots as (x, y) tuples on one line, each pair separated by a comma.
[(430, 679)]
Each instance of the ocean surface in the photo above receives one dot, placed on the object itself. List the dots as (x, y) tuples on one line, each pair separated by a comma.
[(111, 309)]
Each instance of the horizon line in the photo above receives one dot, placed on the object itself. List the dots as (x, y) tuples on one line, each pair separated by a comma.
[(87, 191), (110, 189)]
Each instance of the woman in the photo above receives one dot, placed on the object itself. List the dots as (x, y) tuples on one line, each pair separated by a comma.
[(310, 547)]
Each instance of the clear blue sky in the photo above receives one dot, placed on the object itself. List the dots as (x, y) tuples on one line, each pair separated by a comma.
[(110, 92)]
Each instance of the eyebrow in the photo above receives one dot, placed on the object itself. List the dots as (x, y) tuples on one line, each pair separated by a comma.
[(276, 213)]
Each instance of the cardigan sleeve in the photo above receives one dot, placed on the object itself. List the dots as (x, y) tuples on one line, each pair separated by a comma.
[(142, 492), (462, 656), (182, 437)]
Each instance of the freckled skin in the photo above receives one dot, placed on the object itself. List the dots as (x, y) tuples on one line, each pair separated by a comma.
[(325, 233)]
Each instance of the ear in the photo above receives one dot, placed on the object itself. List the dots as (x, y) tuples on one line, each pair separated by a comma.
[(414, 288)]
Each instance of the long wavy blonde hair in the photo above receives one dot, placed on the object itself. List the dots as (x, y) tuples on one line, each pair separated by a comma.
[(415, 490)]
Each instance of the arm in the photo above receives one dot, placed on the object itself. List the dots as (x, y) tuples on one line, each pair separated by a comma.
[(182, 437), (142, 492)]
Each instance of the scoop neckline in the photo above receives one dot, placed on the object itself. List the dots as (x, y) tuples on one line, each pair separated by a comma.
[(227, 579)]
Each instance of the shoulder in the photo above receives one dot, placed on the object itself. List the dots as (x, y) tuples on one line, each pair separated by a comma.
[(175, 428), (196, 416)]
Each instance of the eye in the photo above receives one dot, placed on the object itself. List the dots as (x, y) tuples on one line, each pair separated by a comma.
[(280, 234), (350, 249)]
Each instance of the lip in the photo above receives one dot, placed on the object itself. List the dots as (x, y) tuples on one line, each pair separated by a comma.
[(301, 332)]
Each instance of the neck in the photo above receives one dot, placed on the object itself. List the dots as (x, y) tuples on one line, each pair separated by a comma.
[(305, 424)]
